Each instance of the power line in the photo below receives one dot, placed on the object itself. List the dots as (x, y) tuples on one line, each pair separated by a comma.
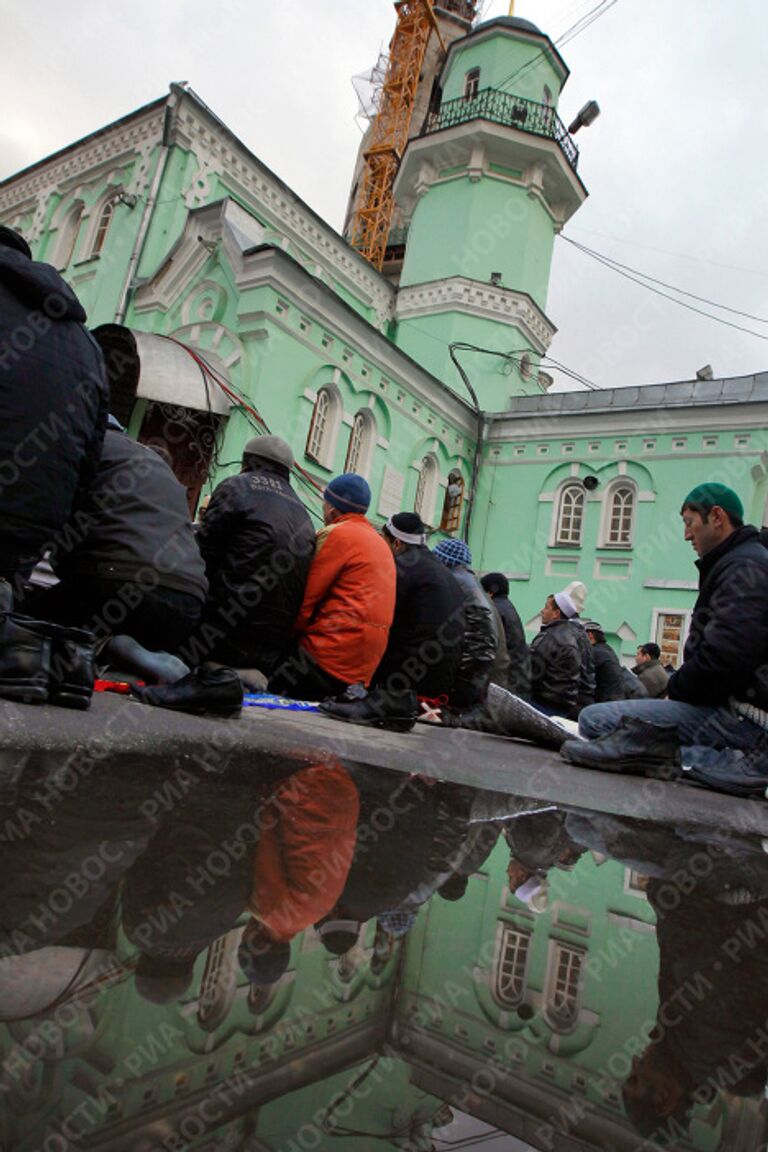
[(570, 34), (657, 291), (669, 252), (673, 287)]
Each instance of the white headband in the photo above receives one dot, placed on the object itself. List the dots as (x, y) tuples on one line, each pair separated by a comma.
[(406, 537)]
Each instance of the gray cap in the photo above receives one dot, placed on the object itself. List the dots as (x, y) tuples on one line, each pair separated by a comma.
[(272, 448)]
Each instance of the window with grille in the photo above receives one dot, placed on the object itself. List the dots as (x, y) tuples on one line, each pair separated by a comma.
[(454, 498), (318, 428), (620, 513), (570, 515), (670, 636), (103, 227), (511, 966), (564, 986), (471, 83)]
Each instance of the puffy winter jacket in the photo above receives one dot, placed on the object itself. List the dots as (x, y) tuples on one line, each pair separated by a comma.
[(726, 652), (134, 523), (349, 600), (53, 406), (555, 666), (427, 632), (257, 542)]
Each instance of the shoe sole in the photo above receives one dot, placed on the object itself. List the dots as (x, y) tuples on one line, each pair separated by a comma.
[(391, 725), (22, 693), (655, 769)]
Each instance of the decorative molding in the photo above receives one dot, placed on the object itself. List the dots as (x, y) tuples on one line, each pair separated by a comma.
[(473, 298), (684, 585)]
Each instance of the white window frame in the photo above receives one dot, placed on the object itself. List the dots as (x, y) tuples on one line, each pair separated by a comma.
[(558, 1020), (471, 83), (510, 965), (68, 235), (321, 446), (658, 614), (103, 218), (607, 516), (361, 444), (566, 488), (425, 497)]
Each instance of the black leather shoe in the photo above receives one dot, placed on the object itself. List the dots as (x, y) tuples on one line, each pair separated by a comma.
[(395, 711), (205, 691), (71, 684), (25, 662), (634, 747)]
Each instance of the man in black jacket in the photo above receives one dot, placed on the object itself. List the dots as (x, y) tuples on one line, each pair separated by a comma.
[(718, 698), (519, 675), (53, 405), (425, 640), (257, 541), (555, 658), (128, 562)]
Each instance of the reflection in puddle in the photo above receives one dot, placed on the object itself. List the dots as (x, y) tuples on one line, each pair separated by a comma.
[(357, 959)]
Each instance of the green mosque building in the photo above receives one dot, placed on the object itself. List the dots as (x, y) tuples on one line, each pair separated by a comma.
[(233, 308)]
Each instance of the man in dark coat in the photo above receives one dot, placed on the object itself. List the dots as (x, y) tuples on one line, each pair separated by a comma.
[(128, 562), (555, 658), (718, 699), (609, 678), (483, 634), (496, 586), (53, 405), (257, 541), (425, 640)]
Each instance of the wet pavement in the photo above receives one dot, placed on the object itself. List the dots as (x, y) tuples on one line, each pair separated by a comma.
[(257, 936)]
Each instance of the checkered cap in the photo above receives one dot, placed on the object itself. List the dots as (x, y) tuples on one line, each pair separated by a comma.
[(453, 552)]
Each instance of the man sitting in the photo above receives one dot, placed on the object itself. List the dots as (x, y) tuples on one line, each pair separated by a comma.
[(718, 698), (496, 585), (556, 658), (342, 629), (651, 671)]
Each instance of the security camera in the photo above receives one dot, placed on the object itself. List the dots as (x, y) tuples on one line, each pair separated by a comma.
[(590, 483)]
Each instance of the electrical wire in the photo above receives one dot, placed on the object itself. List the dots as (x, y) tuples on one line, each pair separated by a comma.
[(570, 34), (619, 270)]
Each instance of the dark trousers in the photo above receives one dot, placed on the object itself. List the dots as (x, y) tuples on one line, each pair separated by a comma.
[(300, 678), (158, 618)]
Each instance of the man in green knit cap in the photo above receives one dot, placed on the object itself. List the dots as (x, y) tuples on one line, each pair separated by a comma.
[(714, 722)]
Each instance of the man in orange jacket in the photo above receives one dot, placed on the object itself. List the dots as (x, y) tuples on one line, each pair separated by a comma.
[(343, 626)]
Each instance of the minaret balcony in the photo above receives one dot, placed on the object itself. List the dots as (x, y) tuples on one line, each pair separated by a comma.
[(509, 110)]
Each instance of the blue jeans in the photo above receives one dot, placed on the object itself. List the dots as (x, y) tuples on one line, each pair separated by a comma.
[(701, 728)]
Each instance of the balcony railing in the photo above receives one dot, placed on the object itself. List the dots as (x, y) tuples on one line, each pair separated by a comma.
[(512, 111)]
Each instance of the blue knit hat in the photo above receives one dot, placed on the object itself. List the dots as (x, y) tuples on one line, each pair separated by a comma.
[(348, 493), (452, 553)]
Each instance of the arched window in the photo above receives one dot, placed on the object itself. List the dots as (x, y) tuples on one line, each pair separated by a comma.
[(426, 489), (619, 515), (323, 426), (68, 233), (563, 995), (471, 83), (570, 515), (102, 227), (454, 498), (361, 443), (511, 966)]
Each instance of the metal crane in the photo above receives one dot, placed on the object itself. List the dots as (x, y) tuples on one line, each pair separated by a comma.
[(390, 127)]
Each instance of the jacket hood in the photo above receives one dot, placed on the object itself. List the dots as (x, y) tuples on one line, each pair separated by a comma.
[(39, 286)]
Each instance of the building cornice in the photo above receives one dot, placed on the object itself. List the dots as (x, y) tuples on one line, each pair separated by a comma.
[(476, 298)]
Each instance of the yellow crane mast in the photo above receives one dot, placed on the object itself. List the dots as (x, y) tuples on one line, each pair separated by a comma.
[(391, 126)]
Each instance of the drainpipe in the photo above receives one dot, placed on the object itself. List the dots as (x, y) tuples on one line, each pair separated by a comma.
[(479, 439), (146, 218)]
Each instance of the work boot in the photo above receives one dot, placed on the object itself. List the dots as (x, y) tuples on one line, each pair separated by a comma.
[(635, 747), (395, 710), (210, 691), (71, 683), (25, 661)]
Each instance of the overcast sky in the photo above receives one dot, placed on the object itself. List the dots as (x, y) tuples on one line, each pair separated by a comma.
[(676, 164)]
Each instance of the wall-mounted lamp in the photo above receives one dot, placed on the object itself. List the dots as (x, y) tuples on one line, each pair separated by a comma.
[(130, 199)]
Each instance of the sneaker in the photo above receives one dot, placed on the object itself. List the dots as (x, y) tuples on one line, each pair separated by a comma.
[(635, 747), (746, 775)]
